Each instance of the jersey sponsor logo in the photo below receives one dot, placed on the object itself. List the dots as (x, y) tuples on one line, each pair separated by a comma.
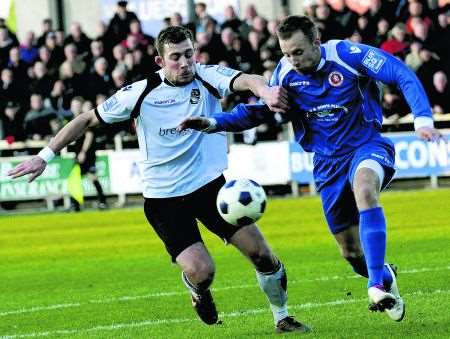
[(326, 112), (168, 132), (373, 60), (195, 96), (299, 83), (109, 104), (355, 50), (335, 79), (126, 88), (164, 102), (225, 71)]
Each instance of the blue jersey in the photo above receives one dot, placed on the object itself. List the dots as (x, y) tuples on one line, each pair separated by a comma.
[(337, 108)]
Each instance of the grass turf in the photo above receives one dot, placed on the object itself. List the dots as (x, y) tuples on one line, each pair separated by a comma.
[(106, 275)]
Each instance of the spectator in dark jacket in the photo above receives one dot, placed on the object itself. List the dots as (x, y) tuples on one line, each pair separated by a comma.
[(47, 27), (12, 123), (119, 26), (40, 122), (10, 90), (78, 38), (18, 66), (440, 94)]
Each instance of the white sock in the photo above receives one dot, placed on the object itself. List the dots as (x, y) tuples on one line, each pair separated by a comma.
[(273, 285), (190, 286)]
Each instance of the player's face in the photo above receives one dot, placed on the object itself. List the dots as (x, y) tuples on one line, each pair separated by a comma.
[(178, 62), (303, 54)]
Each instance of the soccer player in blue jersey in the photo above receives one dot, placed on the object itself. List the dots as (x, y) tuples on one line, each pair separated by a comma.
[(336, 113), (182, 171)]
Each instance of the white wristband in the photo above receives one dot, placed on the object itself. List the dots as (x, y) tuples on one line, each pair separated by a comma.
[(46, 154), (423, 122)]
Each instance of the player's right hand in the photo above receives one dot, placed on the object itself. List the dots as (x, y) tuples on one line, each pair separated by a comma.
[(34, 166), (197, 123)]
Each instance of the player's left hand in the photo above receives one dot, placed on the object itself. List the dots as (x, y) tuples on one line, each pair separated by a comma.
[(429, 134), (197, 123), (276, 98), (34, 166)]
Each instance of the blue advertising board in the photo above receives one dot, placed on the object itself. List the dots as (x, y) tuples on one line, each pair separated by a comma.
[(413, 158)]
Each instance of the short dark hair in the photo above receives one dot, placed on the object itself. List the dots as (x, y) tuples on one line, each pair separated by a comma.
[(295, 23), (174, 35)]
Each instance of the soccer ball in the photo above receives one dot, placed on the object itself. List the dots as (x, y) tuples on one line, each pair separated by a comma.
[(241, 202)]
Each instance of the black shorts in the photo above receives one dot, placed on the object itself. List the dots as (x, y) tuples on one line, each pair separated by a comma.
[(175, 219)]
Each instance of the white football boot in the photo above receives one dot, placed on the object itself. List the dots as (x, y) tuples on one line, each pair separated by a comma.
[(396, 312)]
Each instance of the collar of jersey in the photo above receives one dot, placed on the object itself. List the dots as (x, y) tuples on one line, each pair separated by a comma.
[(322, 58), (167, 82)]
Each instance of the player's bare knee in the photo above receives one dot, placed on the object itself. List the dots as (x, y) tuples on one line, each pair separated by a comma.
[(199, 270), (366, 195), (263, 260), (351, 251)]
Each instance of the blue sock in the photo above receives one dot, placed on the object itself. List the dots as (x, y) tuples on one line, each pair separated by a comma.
[(372, 229), (360, 267)]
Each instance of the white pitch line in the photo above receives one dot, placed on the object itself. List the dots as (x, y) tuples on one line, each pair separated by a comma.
[(184, 292), (148, 323)]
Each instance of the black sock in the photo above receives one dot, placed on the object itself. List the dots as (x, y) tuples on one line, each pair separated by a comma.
[(98, 187), (359, 266), (75, 204)]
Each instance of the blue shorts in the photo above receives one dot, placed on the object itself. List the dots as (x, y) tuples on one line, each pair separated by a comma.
[(334, 176)]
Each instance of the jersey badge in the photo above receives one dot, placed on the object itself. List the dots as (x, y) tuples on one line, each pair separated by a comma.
[(373, 60), (195, 96), (335, 79), (109, 104)]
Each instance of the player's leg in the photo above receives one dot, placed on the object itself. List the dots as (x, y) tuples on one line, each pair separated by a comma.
[(271, 276), (91, 169), (181, 237), (198, 274), (99, 189), (342, 213), (249, 240), (349, 244), (371, 170)]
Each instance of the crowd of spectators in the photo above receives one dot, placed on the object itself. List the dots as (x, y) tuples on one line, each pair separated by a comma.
[(41, 75)]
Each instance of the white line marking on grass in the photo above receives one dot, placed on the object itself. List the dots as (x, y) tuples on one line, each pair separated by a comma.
[(184, 292), (147, 323)]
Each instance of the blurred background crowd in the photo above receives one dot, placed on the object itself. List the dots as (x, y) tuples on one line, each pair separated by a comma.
[(52, 75)]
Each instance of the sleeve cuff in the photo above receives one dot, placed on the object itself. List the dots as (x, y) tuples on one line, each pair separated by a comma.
[(97, 114), (233, 80), (423, 122)]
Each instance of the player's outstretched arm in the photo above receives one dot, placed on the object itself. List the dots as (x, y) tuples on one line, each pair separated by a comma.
[(36, 165), (241, 118), (275, 97), (197, 123)]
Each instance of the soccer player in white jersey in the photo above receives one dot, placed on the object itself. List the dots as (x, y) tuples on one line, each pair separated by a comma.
[(336, 113), (182, 172)]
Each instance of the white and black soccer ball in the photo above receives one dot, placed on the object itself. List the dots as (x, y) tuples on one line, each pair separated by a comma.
[(241, 202)]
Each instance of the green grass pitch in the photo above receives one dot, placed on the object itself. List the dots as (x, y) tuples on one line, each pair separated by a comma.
[(107, 275)]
